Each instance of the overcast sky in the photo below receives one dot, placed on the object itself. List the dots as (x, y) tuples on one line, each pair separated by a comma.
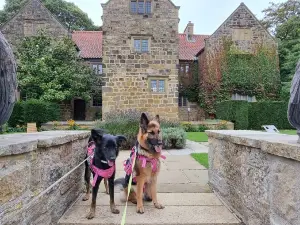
[(207, 15)]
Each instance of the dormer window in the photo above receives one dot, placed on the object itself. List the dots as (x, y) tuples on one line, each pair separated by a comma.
[(140, 7)]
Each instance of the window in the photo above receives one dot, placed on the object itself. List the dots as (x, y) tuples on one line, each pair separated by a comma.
[(185, 69), (141, 45), (238, 97), (157, 86), (140, 6), (182, 101), (97, 100), (97, 69)]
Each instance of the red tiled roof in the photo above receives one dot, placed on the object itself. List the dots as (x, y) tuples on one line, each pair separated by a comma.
[(89, 43), (188, 49)]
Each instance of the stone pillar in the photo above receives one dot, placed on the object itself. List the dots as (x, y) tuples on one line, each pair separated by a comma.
[(294, 104)]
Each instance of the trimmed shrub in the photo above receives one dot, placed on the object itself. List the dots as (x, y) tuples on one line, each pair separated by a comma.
[(202, 128), (34, 111), (174, 138), (189, 127), (268, 113), (255, 114), (234, 111), (17, 116), (127, 123)]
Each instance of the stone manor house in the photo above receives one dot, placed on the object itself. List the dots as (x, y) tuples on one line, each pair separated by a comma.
[(139, 53)]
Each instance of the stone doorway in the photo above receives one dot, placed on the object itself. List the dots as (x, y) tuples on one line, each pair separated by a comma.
[(79, 109)]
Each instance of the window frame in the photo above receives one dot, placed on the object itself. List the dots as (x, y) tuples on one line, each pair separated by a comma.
[(238, 97), (99, 68), (141, 39), (158, 79), (181, 100), (136, 12), (185, 69)]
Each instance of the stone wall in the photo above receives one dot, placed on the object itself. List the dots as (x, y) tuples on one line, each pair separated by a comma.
[(257, 175), (127, 74), (196, 113), (29, 164), (32, 18), (243, 28)]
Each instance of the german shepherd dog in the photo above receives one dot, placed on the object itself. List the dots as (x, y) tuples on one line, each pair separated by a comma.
[(105, 151), (148, 152)]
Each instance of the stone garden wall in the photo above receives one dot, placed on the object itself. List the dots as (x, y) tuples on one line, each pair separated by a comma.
[(257, 174), (29, 164)]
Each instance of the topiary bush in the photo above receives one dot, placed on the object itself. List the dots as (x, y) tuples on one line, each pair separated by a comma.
[(234, 111), (174, 138), (127, 123), (268, 113), (34, 111)]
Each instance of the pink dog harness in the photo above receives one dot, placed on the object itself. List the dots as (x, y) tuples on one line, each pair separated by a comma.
[(98, 172), (128, 163)]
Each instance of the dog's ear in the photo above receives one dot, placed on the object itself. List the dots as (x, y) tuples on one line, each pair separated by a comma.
[(157, 118), (97, 134), (144, 122), (120, 139)]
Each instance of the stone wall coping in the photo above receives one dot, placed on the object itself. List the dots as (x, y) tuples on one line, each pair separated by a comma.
[(273, 143), (12, 144)]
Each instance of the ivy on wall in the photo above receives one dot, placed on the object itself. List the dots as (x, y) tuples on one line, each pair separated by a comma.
[(229, 70)]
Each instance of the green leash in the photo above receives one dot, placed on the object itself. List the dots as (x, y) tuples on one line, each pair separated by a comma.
[(123, 221)]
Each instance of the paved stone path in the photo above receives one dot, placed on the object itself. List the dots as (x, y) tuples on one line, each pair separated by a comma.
[(182, 188)]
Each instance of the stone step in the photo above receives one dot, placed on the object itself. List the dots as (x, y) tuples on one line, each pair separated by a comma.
[(181, 208)]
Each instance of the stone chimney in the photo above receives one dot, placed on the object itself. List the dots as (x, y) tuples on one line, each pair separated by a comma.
[(189, 31)]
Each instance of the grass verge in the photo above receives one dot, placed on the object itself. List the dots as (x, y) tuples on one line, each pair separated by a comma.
[(201, 158), (197, 136)]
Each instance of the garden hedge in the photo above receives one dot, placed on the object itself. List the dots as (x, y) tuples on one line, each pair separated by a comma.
[(268, 113), (234, 111), (253, 115), (34, 111)]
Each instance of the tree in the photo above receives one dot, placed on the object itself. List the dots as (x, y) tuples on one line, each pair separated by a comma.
[(66, 12), (51, 70), (283, 20)]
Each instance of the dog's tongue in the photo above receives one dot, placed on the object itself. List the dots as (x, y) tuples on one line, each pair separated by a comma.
[(158, 148), (110, 163)]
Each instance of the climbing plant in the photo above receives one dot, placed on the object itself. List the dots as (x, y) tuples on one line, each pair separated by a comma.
[(189, 87), (230, 70)]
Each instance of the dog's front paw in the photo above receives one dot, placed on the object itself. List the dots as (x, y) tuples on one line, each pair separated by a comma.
[(107, 192), (158, 206), (86, 197), (91, 215), (140, 209), (115, 211)]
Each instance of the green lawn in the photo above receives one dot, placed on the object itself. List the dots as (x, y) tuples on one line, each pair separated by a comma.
[(290, 132), (201, 158), (197, 136)]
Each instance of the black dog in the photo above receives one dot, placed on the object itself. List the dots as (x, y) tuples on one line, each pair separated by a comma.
[(106, 150)]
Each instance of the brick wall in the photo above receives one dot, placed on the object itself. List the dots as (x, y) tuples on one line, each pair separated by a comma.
[(127, 74)]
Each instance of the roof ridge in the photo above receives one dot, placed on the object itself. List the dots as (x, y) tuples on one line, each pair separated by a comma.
[(87, 31)]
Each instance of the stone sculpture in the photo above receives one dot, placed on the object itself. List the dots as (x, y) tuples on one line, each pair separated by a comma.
[(8, 80), (294, 104)]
